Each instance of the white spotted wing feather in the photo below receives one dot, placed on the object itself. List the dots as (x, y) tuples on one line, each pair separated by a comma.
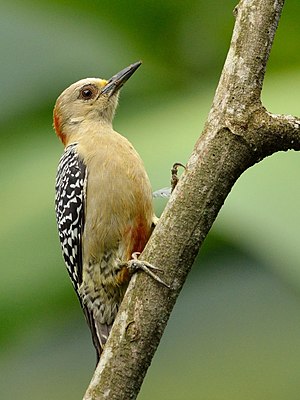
[(69, 207)]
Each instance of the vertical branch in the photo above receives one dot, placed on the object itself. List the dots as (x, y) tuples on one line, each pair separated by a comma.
[(238, 133)]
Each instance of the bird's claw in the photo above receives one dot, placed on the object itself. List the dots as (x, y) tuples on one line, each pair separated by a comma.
[(134, 264), (174, 176)]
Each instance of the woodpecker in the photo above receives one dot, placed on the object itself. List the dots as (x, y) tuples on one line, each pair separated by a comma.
[(103, 201)]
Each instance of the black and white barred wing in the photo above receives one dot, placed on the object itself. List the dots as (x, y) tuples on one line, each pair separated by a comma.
[(69, 206)]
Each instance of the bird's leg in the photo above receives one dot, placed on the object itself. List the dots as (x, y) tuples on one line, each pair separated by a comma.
[(134, 265), (174, 176)]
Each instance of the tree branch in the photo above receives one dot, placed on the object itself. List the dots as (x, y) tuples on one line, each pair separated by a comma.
[(238, 133)]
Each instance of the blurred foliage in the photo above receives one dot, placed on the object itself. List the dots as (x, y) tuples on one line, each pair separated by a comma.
[(235, 330)]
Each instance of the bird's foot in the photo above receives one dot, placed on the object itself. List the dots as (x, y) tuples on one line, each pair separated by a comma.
[(134, 265), (174, 176)]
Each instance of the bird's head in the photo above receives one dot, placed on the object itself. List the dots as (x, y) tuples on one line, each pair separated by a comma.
[(89, 99)]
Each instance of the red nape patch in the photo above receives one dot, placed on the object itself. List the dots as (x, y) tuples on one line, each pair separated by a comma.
[(57, 127)]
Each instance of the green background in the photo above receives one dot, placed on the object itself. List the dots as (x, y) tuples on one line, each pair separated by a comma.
[(235, 331)]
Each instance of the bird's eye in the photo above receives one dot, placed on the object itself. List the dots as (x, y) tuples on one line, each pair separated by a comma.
[(88, 92)]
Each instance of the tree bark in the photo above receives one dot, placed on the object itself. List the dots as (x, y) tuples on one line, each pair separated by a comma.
[(239, 132)]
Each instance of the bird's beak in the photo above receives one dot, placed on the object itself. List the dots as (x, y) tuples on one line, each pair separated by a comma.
[(117, 81)]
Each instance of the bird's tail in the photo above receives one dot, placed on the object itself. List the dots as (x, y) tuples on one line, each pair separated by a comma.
[(100, 332)]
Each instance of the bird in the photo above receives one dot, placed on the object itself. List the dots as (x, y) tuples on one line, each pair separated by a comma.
[(103, 200)]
